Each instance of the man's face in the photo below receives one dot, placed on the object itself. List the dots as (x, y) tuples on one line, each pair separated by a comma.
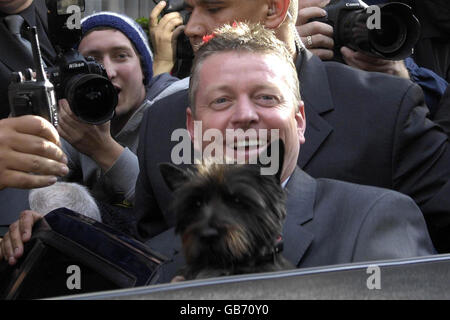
[(14, 6), (207, 15), (248, 91), (115, 51)]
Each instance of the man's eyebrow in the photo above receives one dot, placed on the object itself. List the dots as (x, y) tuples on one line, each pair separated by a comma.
[(211, 2), (125, 48), (117, 48)]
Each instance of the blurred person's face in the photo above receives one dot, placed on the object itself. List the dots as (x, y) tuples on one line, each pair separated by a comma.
[(115, 51), (207, 15), (248, 91), (14, 6)]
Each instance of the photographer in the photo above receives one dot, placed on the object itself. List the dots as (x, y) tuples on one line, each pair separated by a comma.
[(102, 157), (318, 38)]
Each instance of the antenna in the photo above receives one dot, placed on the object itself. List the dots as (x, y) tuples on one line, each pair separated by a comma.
[(37, 57)]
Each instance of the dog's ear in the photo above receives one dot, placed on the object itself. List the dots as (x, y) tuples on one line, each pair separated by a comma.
[(173, 176)]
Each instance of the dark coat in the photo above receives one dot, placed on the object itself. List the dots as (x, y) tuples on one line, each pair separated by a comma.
[(362, 127)]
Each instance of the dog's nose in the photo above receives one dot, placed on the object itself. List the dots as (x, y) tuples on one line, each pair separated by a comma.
[(209, 233)]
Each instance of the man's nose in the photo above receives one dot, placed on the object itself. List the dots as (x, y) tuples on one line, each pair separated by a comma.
[(245, 113), (109, 67), (195, 28)]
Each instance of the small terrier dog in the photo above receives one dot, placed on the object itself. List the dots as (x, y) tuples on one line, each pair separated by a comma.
[(230, 218)]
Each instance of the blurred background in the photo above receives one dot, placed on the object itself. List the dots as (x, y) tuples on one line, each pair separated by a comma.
[(133, 8)]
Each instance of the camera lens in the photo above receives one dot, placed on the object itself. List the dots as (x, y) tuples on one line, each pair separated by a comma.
[(392, 35), (92, 98)]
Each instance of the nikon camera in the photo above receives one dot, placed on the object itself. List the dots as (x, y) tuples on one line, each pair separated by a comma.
[(393, 39), (82, 81)]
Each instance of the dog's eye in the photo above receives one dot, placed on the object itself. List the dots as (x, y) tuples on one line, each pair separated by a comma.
[(198, 203)]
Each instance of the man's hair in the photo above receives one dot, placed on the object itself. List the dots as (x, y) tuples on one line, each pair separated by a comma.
[(242, 38), (72, 196)]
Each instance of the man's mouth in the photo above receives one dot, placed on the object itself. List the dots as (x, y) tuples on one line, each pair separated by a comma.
[(252, 143)]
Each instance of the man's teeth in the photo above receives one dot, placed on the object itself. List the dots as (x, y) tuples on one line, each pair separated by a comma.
[(252, 143)]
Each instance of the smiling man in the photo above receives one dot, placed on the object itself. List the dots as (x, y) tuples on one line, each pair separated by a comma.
[(364, 127), (245, 79), (328, 222)]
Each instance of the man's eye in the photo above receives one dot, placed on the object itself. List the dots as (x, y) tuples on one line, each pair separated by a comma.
[(97, 58), (220, 100), (220, 103), (214, 10), (267, 99)]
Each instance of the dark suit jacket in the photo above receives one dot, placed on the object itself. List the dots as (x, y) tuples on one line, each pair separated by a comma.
[(442, 116), (13, 57), (333, 222), (362, 127)]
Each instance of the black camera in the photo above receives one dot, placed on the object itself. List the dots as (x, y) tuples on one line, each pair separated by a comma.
[(184, 54), (31, 93), (355, 26), (82, 81)]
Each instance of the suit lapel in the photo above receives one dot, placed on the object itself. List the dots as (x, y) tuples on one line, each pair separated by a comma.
[(316, 94), (301, 191)]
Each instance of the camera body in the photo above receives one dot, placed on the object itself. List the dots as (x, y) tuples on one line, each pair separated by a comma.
[(85, 85), (31, 93), (184, 54), (393, 39), (28, 95), (82, 81), (175, 6)]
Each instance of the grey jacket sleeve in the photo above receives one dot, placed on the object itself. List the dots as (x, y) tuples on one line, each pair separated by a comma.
[(393, 228), (121, 177)]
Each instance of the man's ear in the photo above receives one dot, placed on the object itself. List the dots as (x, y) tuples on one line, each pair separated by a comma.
[(301, 122), (276, 13), (190, 122), (173, 176)]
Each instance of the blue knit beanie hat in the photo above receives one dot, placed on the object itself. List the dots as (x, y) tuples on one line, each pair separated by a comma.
[(128, 27)]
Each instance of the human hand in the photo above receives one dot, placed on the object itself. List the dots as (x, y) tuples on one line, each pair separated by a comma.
[(365, 62), (95, 141), (30, 153), (178, 279), (317, 36), (11, 247), (162, 35)]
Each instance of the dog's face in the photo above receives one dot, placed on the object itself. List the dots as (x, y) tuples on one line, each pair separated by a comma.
[(225, 213)]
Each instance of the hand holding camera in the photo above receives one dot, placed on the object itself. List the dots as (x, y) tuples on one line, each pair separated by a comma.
[(163, 35), (169, 35), (94, 141), (30, 153), (317, 36), (388, 31)]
